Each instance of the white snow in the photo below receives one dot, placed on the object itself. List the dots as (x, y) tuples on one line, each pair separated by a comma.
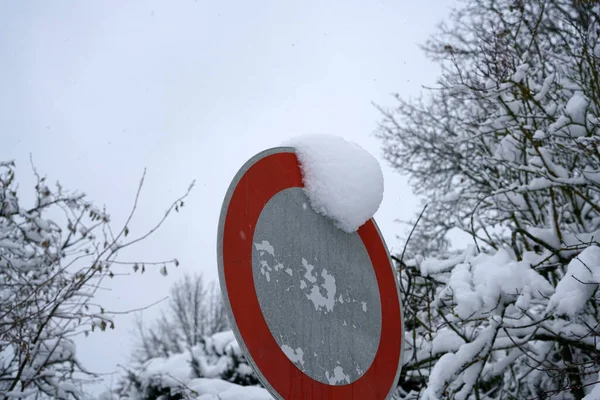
[(520, 73), (573, 123), (595, 393), (341, 180), (432, 266), (172, 370), (545, 87), (221, 341), (578, 285), (478, 284), (591, 174), (18, 394), (576, 108), (217, 389), (214, 359), (446, 340), (509, 149), (448, 366), (539, 135)]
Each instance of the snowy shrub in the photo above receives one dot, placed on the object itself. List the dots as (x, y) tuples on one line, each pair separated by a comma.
[(188, 347), (53, 256), (506, 149), (195, 311), (215, 366)]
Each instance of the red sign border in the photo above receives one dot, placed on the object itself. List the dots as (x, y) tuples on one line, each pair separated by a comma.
[(262, 177)]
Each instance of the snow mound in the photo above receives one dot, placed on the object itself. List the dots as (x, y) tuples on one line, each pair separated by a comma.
[(477, 282), (213, 389), (341, 179), (171, 370), (214, 369), (578, 285)]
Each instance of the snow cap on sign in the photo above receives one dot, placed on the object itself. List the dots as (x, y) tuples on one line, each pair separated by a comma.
[(342, 180)]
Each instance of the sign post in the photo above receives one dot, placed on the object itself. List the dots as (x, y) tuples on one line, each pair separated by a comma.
[(315, 310)]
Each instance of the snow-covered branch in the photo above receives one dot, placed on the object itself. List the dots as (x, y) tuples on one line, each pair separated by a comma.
[(53, 257), (506, 149)]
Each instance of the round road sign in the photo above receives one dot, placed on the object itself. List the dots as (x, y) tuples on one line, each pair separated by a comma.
[(315, 310)]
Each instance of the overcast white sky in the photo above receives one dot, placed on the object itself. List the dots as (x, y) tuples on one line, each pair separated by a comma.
[(96, 91)]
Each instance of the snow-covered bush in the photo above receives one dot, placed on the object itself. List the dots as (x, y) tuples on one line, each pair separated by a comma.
[(188, 351), (53, 256), (214, 366), (195, 311), (506, 149)]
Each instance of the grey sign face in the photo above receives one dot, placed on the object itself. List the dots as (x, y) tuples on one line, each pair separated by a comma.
[(317, 290)]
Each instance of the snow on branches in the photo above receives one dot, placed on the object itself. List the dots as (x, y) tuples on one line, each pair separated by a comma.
[(215, 367), (506, 149), (53, 257)]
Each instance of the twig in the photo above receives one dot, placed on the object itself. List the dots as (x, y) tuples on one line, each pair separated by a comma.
[(137, 309), (400, 261)]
